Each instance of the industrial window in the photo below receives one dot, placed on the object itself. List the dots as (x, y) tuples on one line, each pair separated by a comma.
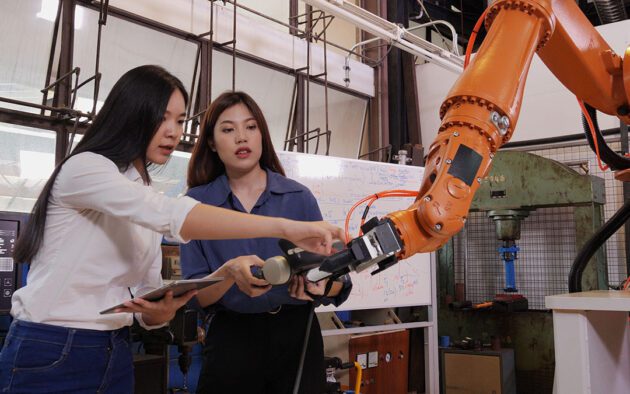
[(125, 45), (23, 72), (27, 158), (271, 89)]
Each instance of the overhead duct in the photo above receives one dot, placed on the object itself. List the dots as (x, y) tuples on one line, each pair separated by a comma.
[(610, 11)]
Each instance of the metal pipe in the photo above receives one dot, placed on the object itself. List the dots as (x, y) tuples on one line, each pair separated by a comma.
[(346, 65), (309, 30), (63, 90), (292, 28), (210, 53), (234, 49), (325, 95), (391, 32), (623, 137), (51, 56), (387, 148), (290, 121), (441, 22), (62, 78), (189, 107), (61, 110), (102, 21)]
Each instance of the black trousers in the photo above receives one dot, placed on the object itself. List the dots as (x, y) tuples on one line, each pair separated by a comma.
[(260, 353)]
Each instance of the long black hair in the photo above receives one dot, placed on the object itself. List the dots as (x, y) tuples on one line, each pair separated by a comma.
[(121, 131)]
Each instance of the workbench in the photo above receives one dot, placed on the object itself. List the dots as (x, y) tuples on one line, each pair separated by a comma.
[(592, 342)]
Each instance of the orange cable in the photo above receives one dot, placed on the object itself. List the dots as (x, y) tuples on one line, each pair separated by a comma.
[(370, 200), (397, 194), (592, 129), (347, 224), (473, 37), (357, 382)]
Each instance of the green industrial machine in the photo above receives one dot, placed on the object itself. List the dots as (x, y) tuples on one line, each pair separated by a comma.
[(518, 184)]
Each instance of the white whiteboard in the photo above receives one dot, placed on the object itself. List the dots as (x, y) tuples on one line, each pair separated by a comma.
[(339, 183)]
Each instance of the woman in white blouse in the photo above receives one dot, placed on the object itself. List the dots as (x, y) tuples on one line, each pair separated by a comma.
[(94, 239)]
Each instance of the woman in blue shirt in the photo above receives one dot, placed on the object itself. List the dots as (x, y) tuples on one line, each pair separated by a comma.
[(255, 338)]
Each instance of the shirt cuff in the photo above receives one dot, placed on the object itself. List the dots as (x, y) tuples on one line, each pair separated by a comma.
[(138, 317), (183, 207)]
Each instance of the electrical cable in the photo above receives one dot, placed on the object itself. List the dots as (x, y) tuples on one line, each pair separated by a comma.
[(588, 123), (597, 142), (370, 200), (594, 243), (307, 334), (379, 61), (473, 37), (454, 43), (615, 162), (357, 381)]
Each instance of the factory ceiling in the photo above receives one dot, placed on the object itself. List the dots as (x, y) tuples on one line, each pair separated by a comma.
[(463, 14)]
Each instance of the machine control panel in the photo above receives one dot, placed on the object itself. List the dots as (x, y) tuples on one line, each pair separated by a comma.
[(8, 271)]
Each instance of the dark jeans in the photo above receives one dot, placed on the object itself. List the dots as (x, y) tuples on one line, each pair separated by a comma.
[(260, 353), (41, 358)]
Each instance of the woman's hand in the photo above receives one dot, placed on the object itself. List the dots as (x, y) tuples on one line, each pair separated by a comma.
[(240, 270), (316, 237), (299, 286), (157, 312)]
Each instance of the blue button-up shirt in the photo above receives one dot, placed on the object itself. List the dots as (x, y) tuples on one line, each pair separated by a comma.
[(283, 197)]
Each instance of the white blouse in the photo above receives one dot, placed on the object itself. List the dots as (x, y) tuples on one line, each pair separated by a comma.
[(101, 241)]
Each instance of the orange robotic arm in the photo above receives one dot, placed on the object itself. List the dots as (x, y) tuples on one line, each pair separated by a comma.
[(479, 115), (481, 110)]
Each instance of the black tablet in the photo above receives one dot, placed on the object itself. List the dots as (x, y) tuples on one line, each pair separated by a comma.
[(178, 287)]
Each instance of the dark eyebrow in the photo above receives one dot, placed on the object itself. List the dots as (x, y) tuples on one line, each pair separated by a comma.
[(180, 115), (232, 122)]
